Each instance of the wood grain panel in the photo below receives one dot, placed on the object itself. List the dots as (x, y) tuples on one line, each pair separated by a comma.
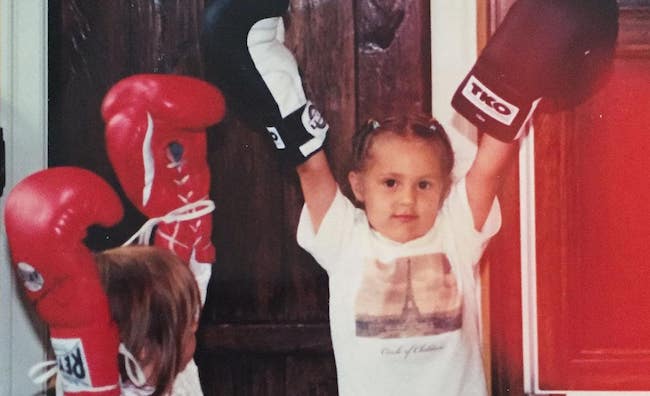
[(634, 35), (394, 52), (92, 46), (263, 275), (241, 374), (321, 35), (320, 371), (266, 338)]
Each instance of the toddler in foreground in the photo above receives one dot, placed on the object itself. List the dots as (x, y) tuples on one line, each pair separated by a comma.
[(155, 302)]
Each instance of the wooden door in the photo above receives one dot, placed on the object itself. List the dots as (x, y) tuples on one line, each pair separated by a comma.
[(592, 236), (264, 328), (593, 242)]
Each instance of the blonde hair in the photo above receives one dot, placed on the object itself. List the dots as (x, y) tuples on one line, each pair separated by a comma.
[(414, 125), (154, 300)]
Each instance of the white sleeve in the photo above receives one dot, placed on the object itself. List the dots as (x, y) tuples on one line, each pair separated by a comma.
[(202, 273), (456, 209), (335, 231), (187, 382)]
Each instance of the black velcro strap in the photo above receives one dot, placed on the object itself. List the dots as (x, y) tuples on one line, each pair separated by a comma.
[(299, 135)]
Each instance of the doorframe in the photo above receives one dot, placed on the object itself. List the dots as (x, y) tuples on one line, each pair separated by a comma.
[(23, 117)]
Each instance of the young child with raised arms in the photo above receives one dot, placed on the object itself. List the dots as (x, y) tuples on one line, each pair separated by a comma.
[(403, 268), (402, 263)]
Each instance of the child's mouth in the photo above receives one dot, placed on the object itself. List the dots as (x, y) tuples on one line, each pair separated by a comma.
[(404, 218)]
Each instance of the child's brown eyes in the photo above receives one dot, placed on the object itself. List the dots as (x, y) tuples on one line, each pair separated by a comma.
[(422, 185), (390, 183)]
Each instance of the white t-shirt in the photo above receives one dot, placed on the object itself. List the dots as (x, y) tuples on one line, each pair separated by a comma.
[(404, 317)]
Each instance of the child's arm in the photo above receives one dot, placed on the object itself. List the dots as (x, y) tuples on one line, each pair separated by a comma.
[(542, 49), (261, 80), (318, 186), (486, 175)]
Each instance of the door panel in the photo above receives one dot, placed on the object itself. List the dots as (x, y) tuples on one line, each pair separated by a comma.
[(592, 240), (592, 246)]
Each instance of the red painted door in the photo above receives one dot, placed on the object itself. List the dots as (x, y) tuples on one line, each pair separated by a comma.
[(593, 233), (592, 237)]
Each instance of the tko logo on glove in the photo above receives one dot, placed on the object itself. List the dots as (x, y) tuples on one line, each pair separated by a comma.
[(72, 363), (489, 102)]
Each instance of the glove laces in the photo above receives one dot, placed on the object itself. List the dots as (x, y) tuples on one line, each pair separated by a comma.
[(131, 365), (191, 211)]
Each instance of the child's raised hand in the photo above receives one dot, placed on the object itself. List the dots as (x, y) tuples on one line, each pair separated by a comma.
[(46, 218), (246, 58), (550, 49)]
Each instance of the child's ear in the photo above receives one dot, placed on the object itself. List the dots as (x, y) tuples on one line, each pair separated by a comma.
[(354, 178)]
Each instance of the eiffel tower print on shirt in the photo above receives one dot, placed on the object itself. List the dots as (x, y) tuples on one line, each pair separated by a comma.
[(409, 297)]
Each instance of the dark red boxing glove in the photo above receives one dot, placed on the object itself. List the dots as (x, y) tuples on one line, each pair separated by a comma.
[(156, 143), (46, 218), (557, 49)]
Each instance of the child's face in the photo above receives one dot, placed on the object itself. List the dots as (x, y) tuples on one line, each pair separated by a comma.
[(402, 186)]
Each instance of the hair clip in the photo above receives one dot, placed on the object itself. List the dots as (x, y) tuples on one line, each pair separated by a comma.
[(369, 126), (360, 137), (435, 125)]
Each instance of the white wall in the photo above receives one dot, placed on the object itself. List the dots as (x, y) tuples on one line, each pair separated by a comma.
[(454, 50), (23, 116)]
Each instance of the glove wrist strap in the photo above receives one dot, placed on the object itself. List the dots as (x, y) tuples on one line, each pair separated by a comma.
[(300, 135)]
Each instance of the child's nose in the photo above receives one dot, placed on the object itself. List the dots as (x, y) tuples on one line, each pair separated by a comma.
[(407, 195)]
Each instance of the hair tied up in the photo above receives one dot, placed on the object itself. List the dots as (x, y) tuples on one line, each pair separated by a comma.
[(359, 140)]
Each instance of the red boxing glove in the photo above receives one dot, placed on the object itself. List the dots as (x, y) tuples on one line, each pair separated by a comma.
[(156, 142), (46, 218)]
